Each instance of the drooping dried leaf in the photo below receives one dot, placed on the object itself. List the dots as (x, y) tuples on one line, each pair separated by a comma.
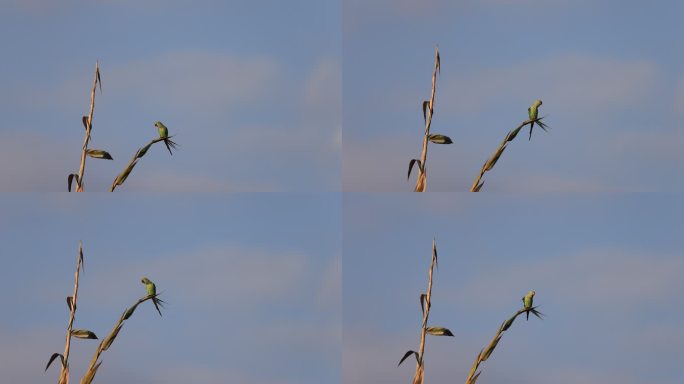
[(507, 324), (99, 154), (99, 80), (492, 161), (53, 357), (406, 355), (70, 301), (81, 259), (129, 312), (439, 139), (124, 175), (490, 348), (142, 151), (414, 161), (84, 120), (426, 105), (434, 253), (110, 338), (438, 331), (423, 298), (512, 134), (70, 179), (83, 334)]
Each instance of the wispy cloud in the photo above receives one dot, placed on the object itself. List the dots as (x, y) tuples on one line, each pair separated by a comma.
[(200, 81), (217, 277), (208, 98), (30, 161), (365, 14), (185, 180), (588, 97), (593, 85), (679, 99), (194, 81), (629, 280)]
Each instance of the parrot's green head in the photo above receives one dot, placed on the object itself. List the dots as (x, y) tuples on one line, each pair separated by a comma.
[(538, 102), (145, 280), (532, 293), (158, 124)]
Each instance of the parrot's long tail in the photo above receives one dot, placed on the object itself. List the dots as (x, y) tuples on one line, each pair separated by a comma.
[(531, 126), (527, 313), (169, 148), (156, 305)]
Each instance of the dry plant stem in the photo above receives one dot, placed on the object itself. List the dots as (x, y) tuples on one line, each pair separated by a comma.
[(421, 182), (487, 351), (64, 373), (86, 139), (104, 344), (489, 164), (133, 162), (418, 377)]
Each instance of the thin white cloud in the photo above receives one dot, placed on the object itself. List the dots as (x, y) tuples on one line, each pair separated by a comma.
[(590, 278), (218, 277), (360, 14), (23, 357), (321, 115), (589, 85), (371, 356), (192, 81), (663, 338), (660, 146), (194, 373), (595, 87), (31, 161), (679, 99), (544, 181), (380, 165), (618, 284), (45, 7), (323, 89), (199, 81), (229, 276), (329, 292), (175, 180), (196, 85)]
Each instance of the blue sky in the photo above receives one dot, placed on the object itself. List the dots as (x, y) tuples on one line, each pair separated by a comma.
[(607, 270), (252, 284), (251, 91), (611, 77)]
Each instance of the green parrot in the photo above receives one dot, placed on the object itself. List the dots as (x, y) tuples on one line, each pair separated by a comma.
[(527, 302), (164, 134), (152, 291), (532, 113)]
